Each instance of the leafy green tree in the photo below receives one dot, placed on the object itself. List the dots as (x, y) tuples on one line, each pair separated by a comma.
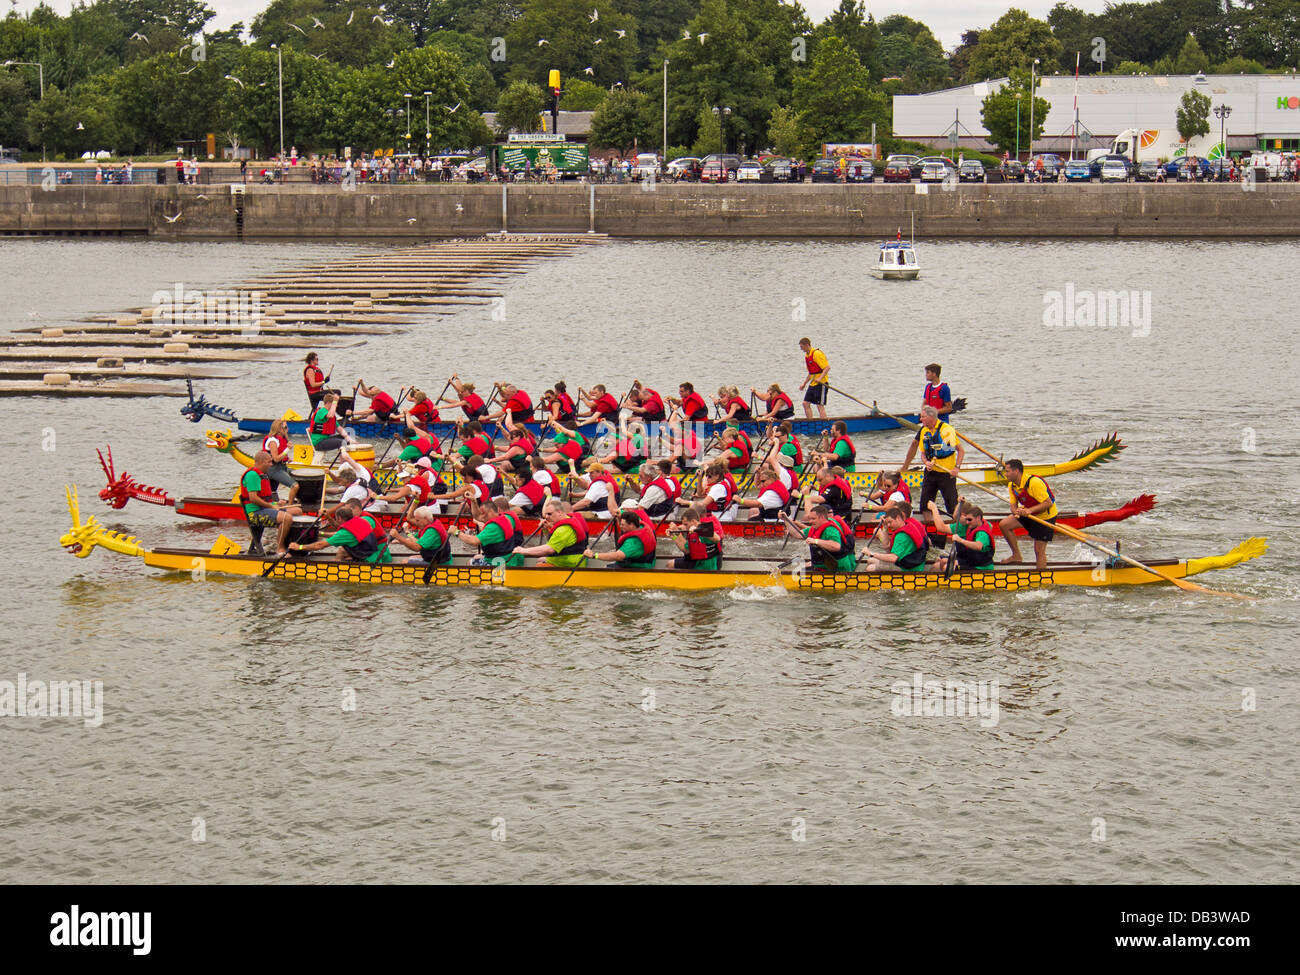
[(1191, 58), (186, 17), (1130, 68), (658, 22), (1075, 29), (788, 135), (574, 42), (582, 96), (908, 50), (851, 23), (365, 42), (14, 104), (622, 122), (52, 123), (959, 59), (1193, 115), (519, 108), (834, 99), (1239, 65), (999, 113), (1012, 43), (708, 138)]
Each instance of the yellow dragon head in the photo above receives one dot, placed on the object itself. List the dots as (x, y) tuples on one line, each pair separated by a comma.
[(220, 440), (83, 538)]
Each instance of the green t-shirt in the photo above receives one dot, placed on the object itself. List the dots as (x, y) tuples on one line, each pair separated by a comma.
[(844, 562), (319, 419), (788, 449), (560, 539), (635, 554), (980, 536), (252, 483), (430, 541), (904, 546), (491, 535), (345, 539), (843, 455)]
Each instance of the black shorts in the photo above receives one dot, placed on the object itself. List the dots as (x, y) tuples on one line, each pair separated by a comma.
[(816, 394), (937, 483), (1038, 531), (385, 415)]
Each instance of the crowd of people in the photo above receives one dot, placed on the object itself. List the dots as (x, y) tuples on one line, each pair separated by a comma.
[(508, 474)]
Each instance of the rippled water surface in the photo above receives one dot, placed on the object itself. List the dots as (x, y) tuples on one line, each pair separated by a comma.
[(771, 710)]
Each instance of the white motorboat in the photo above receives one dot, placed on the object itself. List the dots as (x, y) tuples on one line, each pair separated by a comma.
[(897, 261)]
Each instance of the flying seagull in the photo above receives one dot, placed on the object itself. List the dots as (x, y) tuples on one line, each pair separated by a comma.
[(686, 35), (594, 16), (315, 22), (316, 57), (299, 29), (541, 41), (391, 63), (588, 70), (231, 77), (137, 36), (172, 219), (452, 108), (410, 219), (459, 208), (598, 40), (200, 197), (350, 16), (377, 17), (701, 37), (621, 33), (191, 69)]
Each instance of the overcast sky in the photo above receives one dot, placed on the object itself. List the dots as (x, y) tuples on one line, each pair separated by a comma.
[(947, 18)]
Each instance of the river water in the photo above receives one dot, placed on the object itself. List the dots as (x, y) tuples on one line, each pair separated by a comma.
[(1142, 735)]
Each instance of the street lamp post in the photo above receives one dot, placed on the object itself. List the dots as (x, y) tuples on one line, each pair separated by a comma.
[(665, 148), (1018, 125), (722, 114), (428, 134), (1221, 112), (40, 76), (407, 96), (279, 67), (1031, 107)]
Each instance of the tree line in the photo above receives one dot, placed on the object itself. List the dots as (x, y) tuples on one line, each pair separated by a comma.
[(143, 76)]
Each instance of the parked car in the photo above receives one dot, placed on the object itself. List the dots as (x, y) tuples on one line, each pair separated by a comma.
[(1147, 171), (1221, 170), (823, 171), (1114, 171), (1051, 165), (934, 172), (749, 171), (683, 167), (1013, 171), (1097, 162), (646, 166), (713, 171), (971, 171), (730, 161), (859, 170), (1181, 169), (901, 168), (1078, 171), (952, 166), (780, 170)]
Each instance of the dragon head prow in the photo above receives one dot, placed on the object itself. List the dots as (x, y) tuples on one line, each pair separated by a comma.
[(83, 538), (219, 440)]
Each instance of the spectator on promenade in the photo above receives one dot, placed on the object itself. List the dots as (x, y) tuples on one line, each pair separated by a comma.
[(243, 170), (180, 169)]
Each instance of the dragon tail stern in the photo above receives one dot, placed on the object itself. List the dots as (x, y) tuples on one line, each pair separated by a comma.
[(1251, 548)]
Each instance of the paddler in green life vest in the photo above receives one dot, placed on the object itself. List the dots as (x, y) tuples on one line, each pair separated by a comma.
[(260, 506), (635, 542), (908, 547), (567, 541), (359, 537), (971, 534), (830, 540), (499, 537), (430, 541)]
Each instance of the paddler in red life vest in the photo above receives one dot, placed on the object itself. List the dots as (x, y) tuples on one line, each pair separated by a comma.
[(779, 405), (424, 445), (647, 404), (832, 490), (971, 534), (737, 451), (382, 406), (314, 380), (520, 449), (891, 491), (567, 541), (695, 540), (323, 428), (469, 401), (830, 540), (660, 490), (260, 508), (533, 492), (689, 404), (789, 445), (571, 448), (1030, 495), (635, 543), (559, 405), (685, 446), (817, 381), (907, 545), (422, 414), (516, 409), (421, 487), (358, 538), (842, 453), (601, 405), (277, 444), (716, 489), (431, 541), (937, 394), (772, 499), (474, 441), (473, 491), (601, 499), (731, 406)]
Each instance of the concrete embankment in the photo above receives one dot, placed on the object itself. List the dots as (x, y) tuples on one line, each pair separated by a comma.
[(666, 210)]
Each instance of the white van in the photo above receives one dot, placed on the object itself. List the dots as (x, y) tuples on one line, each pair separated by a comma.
[(1272, 162)]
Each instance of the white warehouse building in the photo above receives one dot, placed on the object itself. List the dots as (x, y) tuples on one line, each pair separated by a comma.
[(1265, 111)]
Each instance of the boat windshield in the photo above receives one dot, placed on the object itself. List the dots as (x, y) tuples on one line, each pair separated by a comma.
[(909, 258)]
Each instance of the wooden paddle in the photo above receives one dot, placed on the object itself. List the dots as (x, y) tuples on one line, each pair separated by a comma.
[(1096, 544)]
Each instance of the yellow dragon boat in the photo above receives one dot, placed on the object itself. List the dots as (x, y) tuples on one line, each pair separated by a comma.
[(303, 456), (224, 558)]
